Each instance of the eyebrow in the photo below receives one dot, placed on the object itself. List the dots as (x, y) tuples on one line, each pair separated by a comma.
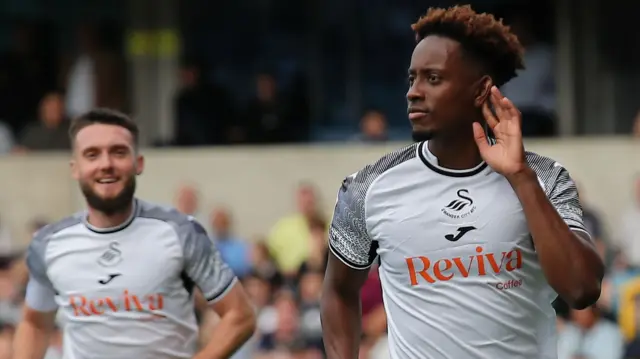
[(411, 71)]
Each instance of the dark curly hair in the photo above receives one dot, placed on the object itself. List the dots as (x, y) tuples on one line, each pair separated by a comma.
[(482, 36)]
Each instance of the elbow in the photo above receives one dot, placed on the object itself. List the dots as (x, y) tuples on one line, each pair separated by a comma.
[(588, 288), (586, 296)]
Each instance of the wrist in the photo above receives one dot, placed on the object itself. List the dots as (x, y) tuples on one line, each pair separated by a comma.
[(524, 176)]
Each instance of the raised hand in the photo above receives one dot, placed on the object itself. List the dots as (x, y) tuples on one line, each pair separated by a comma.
[(506, 156)]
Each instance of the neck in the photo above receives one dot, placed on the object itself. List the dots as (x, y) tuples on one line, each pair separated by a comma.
[(456, 152), (100, 219)]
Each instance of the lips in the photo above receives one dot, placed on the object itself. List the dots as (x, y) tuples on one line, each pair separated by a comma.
[(107, 180), (416, 113)]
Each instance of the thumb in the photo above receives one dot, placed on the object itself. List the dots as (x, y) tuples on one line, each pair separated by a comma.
[(480, 137)]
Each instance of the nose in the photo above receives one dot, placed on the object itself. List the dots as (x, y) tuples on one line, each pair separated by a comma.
[(105, 162), (414, 94)]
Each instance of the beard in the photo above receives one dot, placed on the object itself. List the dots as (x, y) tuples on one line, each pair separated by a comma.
[(110, 206), (421, 136)]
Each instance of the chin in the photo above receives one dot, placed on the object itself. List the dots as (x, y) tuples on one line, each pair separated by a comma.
[(422, 135)]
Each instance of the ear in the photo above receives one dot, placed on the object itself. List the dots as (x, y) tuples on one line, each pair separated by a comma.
[(483, 91), (139, 164), (75, 172)]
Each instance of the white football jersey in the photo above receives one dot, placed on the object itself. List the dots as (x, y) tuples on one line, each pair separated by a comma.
[(459, 272), (126, 292)]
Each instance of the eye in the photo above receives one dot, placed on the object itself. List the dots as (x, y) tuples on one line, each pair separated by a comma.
[(411, 80), (433, 78)]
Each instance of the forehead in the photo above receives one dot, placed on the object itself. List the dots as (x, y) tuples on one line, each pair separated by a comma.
[(436, 52), (103, 136)]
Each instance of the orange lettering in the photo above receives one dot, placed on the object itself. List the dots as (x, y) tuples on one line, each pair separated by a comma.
[(437, 271), (77, 308), (130, 302), (464, 270), (423, 273), (515, 260), (444, 269), (156, 301)]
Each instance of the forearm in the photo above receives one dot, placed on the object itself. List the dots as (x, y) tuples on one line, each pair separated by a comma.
[(233, 330), (570, 263), (341, 324), (30, 341)]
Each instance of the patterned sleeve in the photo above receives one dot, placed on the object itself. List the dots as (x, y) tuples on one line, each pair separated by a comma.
[(560, 189), (564, 197), (348, 236), (203, 263), (40, 294)]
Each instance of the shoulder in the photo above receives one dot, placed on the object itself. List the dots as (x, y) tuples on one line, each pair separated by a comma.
[(42, 236), (549, 171), (38, 245), (184, 224), (542, 163), (163, 213), (362, 179)]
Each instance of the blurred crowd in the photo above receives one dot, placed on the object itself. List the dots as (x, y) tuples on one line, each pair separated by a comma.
[(42, 86), (283, 273)]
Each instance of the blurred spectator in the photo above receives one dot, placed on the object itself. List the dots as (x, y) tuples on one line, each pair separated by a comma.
[(267, 119), (94, 75), (263, 264), (289, 241), (628, 239), (319, 249), (205, 113), (309, 289), (589, 336), (533, 91), (286, 339), (620, 290), (373, 128), (234, 251), (187, 201), (51, 131)]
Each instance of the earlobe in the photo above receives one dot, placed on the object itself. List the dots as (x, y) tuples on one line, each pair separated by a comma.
[(139, 165)]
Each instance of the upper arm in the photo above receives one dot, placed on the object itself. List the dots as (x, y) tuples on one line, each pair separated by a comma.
[(353, 250), (203, 263), (236, 301), (564, 197), (40, 294)]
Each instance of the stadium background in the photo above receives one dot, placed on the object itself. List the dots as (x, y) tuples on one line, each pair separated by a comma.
[(253, 111)]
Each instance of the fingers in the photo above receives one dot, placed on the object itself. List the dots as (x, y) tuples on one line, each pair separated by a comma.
[(488, 116), (480, 137), (512, 110), (498, 105)]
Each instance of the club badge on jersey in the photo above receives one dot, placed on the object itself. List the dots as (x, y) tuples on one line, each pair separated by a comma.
[(111, 256)]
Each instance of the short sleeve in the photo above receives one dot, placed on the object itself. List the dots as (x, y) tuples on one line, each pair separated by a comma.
[(564, 197), (40, 294), (203, 263), (349, 239)]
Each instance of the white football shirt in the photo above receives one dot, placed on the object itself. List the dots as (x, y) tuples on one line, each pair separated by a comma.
[(126, 292), (459, 271)]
